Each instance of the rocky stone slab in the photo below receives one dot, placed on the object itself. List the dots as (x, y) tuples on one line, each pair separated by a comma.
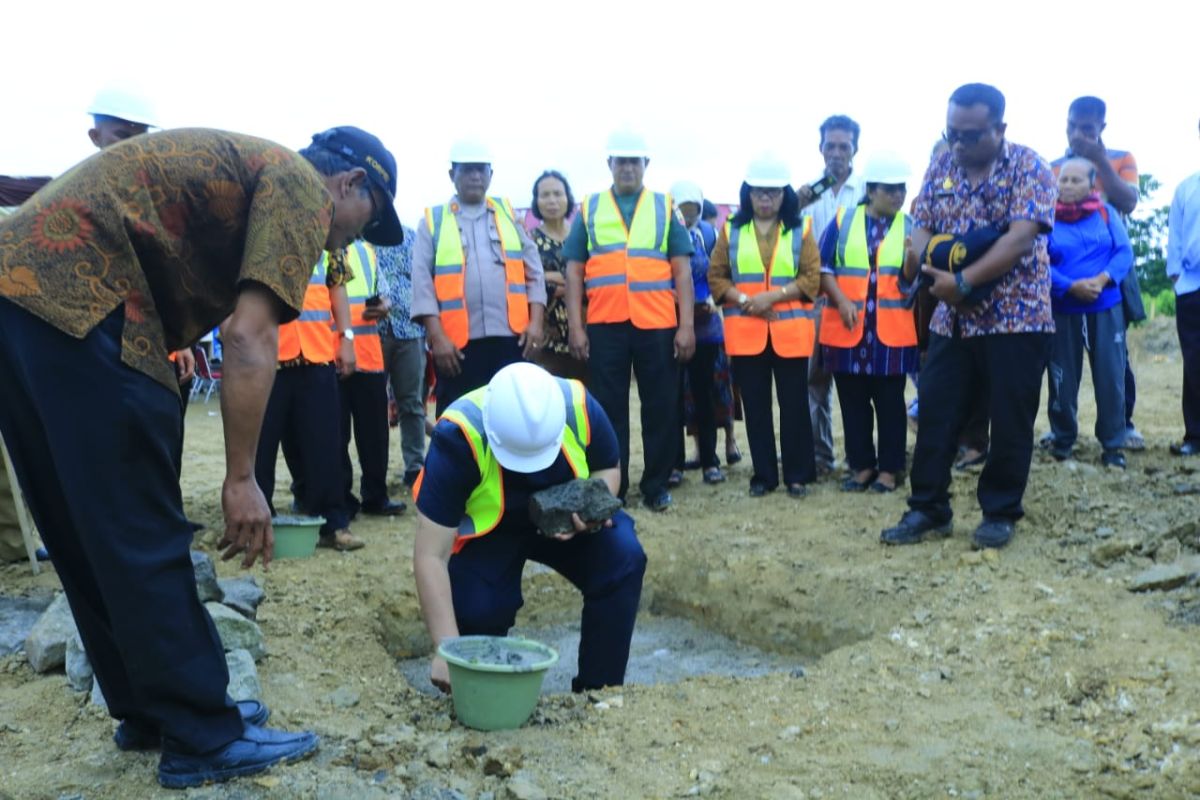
[(1161, 577), (206, 577), (243, 676), (550, 509), (46, 645), (237, 632), (17, 618), (79, 668), (243, 594)]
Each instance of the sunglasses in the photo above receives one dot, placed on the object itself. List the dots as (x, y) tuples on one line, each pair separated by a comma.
[(968, 138)]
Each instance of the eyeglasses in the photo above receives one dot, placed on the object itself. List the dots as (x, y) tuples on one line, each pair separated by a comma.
[(890, 188), (376, 214), (968, 138), (765, 194)]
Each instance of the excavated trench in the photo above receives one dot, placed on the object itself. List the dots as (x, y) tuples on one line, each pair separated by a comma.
[(695, 620)]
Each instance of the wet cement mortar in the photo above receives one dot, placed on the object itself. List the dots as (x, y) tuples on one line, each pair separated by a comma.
[(929, 671)]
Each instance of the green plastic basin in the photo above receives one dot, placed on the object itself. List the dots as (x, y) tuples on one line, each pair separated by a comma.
[(496, 680), (296, 537)]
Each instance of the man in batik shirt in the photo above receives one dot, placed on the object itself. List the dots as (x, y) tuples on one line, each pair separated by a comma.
[(136, 252)]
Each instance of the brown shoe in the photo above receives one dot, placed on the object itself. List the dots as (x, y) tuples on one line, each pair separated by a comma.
[(342, 541)]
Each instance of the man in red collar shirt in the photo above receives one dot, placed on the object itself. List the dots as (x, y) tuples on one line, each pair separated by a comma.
[(983, 181)]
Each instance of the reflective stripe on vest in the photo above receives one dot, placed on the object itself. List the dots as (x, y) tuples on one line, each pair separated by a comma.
[(450, 264), (893, 316), (485, 505), (627, 276), (363, 262), (792, 333), (309, 335)]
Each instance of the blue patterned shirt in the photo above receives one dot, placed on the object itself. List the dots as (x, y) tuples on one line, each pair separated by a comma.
[(1020, 187), (395, 272)]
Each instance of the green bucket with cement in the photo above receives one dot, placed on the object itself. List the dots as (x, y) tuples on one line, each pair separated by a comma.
[(296, 537), (495, 680)]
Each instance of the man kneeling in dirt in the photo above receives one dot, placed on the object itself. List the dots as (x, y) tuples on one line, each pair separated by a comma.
[(491, 449)]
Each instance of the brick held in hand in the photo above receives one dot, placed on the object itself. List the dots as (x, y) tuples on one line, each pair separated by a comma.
[(550, 509)]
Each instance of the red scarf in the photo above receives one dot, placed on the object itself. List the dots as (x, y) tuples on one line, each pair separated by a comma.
[(1073, 212)]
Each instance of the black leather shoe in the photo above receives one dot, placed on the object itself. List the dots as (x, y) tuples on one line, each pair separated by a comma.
[(256, 750), (913, 527), (660, 502), (993, 533), (758, 489), (133, 734), (1114, 458), (1061, 452), (1186, 449), (389, 509)]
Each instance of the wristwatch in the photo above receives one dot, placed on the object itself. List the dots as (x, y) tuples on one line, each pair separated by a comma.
[(742, 298), (347, 334), (964, 288)]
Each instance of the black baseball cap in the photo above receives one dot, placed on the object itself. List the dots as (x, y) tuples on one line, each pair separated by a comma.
[(364, 150)]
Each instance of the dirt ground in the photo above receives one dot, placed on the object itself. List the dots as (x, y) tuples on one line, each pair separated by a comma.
[(930, 671)]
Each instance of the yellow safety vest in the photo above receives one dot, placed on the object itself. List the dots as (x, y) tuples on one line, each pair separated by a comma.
[(450, 263), (368, 351), (893, 314), (485, 506), (792, 333)]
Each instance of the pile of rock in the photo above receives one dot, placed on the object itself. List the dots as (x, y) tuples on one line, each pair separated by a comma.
[(232, 603)]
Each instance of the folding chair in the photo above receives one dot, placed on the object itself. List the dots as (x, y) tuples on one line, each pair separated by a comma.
[(207, 379), (23, 516)]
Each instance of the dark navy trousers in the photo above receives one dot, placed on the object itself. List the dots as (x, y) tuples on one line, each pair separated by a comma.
[(104, 490), (304, 414), (606, 566), (364, 410)]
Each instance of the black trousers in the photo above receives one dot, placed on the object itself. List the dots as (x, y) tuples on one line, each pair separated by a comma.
[(304, 409), (104, 494), (702, 381), (364, 408), (856, 395), (1187, 323), (1013, 364), (753, 375), (482, 358), (616, 348)]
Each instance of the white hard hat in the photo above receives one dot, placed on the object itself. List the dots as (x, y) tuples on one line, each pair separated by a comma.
[(886, 167), (122, 102), (626, 143), (470, 151), (768, 171), (687, 192), (524, 413)]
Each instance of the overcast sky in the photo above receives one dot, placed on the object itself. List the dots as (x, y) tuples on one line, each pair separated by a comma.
[(543, 83)]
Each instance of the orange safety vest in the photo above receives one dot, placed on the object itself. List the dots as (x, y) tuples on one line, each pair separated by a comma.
[(450, 265), (368, 350), (309, 334), (793, 333), (628, 275), (893, 314)]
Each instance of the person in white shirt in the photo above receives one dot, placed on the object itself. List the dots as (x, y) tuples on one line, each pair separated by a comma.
[(839, 144)]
